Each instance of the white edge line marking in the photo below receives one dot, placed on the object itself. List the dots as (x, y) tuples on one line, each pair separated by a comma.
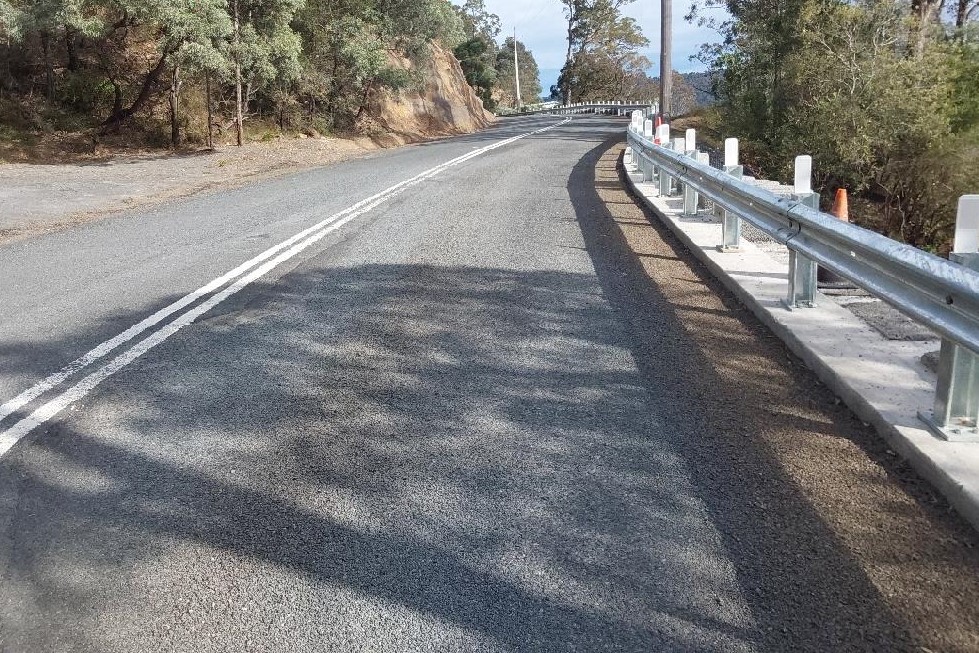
[(11, 436)]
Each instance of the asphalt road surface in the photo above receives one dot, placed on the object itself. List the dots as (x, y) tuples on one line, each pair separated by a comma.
[(460, 396)]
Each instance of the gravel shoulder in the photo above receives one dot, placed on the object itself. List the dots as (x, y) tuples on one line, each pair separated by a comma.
[(788, 464), (42, 198)]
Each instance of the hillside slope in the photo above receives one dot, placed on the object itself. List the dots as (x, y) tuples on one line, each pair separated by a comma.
[(444, 105)]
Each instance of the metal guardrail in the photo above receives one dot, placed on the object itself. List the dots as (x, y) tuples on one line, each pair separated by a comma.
[(623, 107), (933, 291)]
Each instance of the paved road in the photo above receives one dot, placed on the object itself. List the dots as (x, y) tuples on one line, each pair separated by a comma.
[(441, 422)]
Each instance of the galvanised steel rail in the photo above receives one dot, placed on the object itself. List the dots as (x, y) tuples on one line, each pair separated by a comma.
[(623, 107), (933, 291)]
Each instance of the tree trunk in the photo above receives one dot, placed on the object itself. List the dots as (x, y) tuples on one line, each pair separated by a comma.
[(71, 49), (961, 13), (210, 116), (928, 12), (239, 128), (174, 106), (365, 99), (48, 65), (119, 114), (116, 98)]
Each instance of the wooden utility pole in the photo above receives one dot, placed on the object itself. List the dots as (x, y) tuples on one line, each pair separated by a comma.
[(516, 66), (666, 60)]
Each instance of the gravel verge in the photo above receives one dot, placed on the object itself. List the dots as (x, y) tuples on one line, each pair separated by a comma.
[(760, 408), (42, 198)]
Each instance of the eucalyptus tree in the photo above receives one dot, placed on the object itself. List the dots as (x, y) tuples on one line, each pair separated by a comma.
[(478, 53), (478, 67), (351, 49), (882, 100), (194, 37), (603, 48), (530, 88), (54, 21), (262, 48)]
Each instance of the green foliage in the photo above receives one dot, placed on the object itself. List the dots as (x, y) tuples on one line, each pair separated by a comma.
[(348, 49), (478, 21), (478, 52), (114, 61), (267, 48), (963, 64), (530, 88), (10, 19), (412, 24), (56, 16), (885, 105), (472, 56), (603, 52)]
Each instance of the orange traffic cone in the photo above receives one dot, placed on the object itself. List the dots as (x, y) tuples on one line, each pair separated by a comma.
[(841, 210), (841, 207)]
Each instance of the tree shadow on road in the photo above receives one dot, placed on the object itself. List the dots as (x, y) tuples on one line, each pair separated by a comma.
[(470, 445), (458, 458)]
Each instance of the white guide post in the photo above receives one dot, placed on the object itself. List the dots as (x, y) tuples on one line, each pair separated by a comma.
[(690, 199), (730, 222), (730, 152), (665, 181), (802, 270)]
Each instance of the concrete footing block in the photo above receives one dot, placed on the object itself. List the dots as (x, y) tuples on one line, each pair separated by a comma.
[(883, 381)]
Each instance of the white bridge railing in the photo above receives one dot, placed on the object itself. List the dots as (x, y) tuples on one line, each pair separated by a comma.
[(941, 294)]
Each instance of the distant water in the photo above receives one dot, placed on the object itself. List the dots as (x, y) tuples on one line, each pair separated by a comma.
[(548, 78)]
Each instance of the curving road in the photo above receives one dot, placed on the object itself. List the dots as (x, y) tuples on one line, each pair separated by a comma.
[(459, 396)]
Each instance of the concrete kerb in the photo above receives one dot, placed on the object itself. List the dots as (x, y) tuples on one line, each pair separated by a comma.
[(883, 382)]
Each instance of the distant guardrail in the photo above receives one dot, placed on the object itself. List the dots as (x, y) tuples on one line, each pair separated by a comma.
[(617, 107), (941, 294)]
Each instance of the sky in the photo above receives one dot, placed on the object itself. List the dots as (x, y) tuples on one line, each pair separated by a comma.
[(540, 26)]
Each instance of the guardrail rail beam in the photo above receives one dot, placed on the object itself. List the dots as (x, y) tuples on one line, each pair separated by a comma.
[(942, 295)]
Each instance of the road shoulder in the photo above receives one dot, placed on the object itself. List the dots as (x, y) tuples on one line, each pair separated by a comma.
[(40, 198), (763, 410)]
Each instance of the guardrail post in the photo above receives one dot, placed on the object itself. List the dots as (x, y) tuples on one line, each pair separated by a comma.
[(802, 270), (704, 159), (956, 413), (689, 194), (731, 222), (679, 145), (649, 170), (665, 182)]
